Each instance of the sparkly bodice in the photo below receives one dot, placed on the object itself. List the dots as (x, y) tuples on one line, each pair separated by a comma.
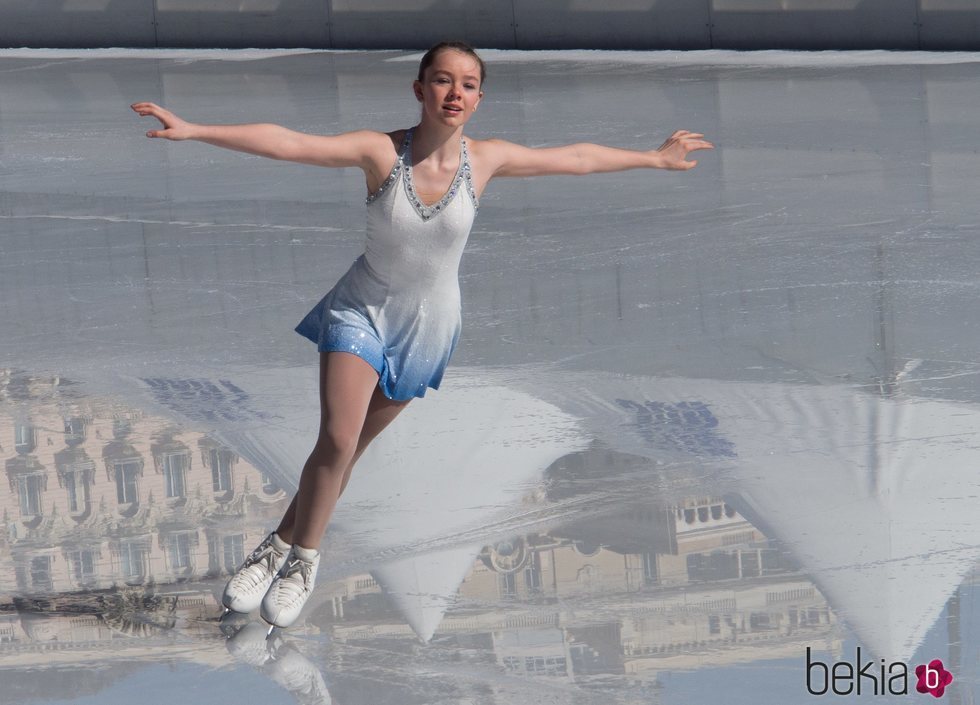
[(403, 167), (411, 245)]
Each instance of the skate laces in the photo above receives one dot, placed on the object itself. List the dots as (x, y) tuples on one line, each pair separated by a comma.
[(260, 564), (288, 581)]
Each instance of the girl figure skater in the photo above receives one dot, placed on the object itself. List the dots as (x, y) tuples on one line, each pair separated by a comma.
[(386, 331)]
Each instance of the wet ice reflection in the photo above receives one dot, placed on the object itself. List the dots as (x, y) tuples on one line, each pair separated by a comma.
[(636, 561)]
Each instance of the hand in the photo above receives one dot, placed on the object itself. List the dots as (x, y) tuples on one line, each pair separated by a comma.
[(674, 151), (174, 127)]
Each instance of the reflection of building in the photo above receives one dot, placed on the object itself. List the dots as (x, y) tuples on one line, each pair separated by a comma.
[(121, 524), (101, 626), (561, 605), (101, 498), (116, 525)]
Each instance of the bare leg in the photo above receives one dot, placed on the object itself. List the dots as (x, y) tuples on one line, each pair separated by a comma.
[(341, 402), (381, 412), (346, 385)]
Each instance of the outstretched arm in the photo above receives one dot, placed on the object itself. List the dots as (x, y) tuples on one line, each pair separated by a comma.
[(267, 140), (509, 159)]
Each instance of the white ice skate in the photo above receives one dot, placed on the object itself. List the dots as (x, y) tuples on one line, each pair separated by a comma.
[(247, 587), (291, 588)]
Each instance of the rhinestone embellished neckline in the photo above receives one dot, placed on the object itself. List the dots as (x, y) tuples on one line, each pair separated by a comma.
[(394, 170), (463, 177)]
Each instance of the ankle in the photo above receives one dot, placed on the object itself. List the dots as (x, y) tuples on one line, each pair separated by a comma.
[(307, 554), (282, 544)]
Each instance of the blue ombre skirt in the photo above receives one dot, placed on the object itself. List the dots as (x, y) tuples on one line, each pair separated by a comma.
[(406, 339)]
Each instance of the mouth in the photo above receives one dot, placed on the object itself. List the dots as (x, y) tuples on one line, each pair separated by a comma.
[(452, 108)]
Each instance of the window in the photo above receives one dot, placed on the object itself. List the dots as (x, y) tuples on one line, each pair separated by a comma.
[(29, 489), (127, 488), (714, 624), (132, 560), (650, 575), (174, 472), (179, 550), (269, 484), (717, 565), (220, 462), (234, 552), (74, 431), (25, 438), (76, 484), (751, 563), (532, 574), (121, 428), (508, 586), (545, 665), (41, 573), (20, 575), (81, 563), (71, 487)]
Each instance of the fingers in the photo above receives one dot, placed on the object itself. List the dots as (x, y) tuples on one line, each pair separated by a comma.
[(167, 118), (687, 140), (692, 139), (146, 108), (685, 133)]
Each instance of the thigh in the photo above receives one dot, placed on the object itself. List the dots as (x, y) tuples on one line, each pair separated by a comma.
[(347, 384), (381, 412)]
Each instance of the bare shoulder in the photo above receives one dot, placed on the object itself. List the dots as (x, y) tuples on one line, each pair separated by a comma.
[(381, 152), (376, 144), (490, 153), (502, 158), (394, 137), (489, 147)]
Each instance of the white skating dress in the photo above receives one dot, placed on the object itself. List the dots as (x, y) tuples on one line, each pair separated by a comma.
[(398, 306)]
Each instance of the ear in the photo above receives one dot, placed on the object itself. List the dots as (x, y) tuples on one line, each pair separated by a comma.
[(479, 98), (417, 88)]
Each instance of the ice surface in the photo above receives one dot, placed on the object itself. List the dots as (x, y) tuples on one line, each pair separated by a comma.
[(697, 422)]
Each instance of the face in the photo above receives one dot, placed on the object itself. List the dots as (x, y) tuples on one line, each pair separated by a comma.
[(450, 90)]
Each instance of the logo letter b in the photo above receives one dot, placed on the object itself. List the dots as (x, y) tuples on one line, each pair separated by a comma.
[(818, 666)]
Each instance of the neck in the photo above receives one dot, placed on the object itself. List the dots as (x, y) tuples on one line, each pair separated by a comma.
[(440, 141)]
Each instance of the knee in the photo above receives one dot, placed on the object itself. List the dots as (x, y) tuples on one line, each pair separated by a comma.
[(338, 441)]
